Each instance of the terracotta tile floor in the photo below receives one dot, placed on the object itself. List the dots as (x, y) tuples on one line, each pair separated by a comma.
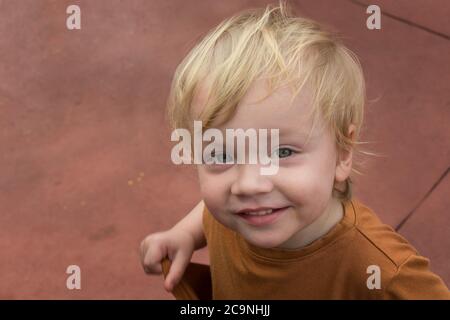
[(85, 166)]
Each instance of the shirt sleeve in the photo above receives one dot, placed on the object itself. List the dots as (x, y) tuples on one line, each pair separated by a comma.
[(414, 281)]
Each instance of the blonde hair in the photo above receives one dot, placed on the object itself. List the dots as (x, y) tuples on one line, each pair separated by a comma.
[(274, 44)]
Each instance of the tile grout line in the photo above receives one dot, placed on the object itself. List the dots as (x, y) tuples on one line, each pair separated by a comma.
[(411, 23), (422, 200), (439, 34)]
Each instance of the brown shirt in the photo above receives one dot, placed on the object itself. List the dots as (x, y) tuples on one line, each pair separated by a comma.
[(332, 267)]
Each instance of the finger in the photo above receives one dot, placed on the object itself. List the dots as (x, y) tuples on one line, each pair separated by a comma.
[(153, 270), (142, 250), (179, 264), (152, 259)]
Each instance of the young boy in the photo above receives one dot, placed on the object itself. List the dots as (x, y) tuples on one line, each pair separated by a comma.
[(296, 234)]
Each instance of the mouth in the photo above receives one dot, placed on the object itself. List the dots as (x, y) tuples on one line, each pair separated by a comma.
[(261, 216)]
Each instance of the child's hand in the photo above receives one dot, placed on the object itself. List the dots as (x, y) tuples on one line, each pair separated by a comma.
[(176, 244)]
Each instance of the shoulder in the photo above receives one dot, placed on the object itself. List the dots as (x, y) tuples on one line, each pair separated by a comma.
[(405, 274), (380, 240)]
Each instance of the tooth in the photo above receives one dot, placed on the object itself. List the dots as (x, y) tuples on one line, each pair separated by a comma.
[(260, 213)]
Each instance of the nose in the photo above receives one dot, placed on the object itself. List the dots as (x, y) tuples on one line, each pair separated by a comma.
[(250, 181)]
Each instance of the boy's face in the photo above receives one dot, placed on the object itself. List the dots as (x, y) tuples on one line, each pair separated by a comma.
[(301, 189)]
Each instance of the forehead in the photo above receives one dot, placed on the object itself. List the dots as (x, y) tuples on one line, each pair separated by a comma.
[(257, 109)]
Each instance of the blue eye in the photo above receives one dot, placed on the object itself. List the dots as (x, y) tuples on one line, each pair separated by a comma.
[(284, 152), (223, 158), (219, 158)]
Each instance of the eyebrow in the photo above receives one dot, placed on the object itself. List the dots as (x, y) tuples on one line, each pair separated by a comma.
[(300, 133)]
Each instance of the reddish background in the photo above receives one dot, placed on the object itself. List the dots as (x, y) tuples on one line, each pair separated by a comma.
[(85, 152)]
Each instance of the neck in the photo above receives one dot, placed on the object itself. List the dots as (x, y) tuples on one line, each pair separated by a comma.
[(331, 216)]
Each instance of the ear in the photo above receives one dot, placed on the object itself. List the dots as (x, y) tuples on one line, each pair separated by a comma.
[(344, 159)]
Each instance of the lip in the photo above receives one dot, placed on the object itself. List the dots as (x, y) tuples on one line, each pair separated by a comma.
[(262, 220), (257, 209)]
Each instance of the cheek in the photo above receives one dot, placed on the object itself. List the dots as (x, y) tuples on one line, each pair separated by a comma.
[(306, 184), (213, 190)]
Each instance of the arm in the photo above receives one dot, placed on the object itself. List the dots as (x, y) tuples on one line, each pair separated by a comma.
[(177, 243), (414, 280), (193, 224)]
